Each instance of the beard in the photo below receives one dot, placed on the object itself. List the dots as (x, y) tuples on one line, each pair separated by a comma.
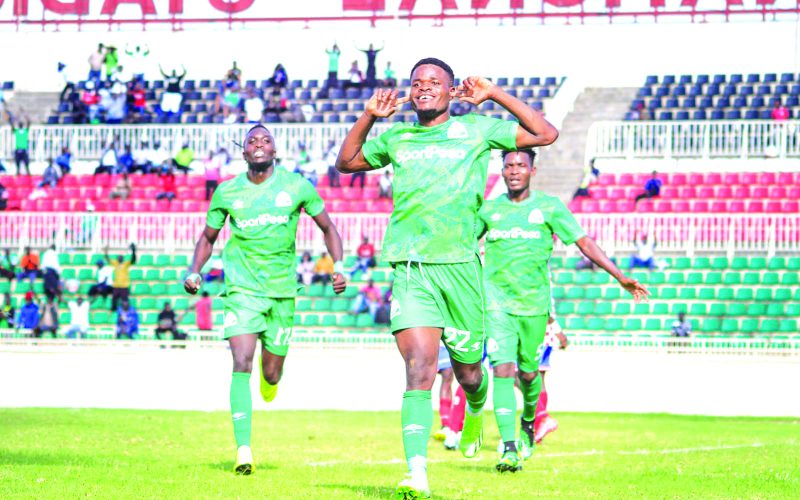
[(260, 166), (429, 114)]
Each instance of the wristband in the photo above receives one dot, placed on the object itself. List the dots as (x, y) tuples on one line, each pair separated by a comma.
[(338, 267), (195, 277)]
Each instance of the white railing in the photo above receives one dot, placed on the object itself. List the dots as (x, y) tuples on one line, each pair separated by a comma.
[(87, 141), (675, 233), (704, 139)]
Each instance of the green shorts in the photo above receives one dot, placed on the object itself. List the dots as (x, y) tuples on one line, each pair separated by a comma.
[(447, 296), (271, 318), (515, 339)]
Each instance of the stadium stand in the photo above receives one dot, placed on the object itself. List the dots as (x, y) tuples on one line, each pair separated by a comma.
[(717, 97)]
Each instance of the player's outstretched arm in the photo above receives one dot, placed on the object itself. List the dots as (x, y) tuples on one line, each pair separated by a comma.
[(534, 130), (202, 252), (333, 242), (381, 105), (596, 254)]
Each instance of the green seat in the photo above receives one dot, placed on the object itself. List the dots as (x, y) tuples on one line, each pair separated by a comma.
[(152, 275), (159, 289), (783, 294), (718, 310), (571, 262), (169, 275), (641, 277), (100, 317), (641, 309), (698, 310), (679, 307), (633, 324), (176, 289), (744, 294), (329, 320), (181, 303), (790, 279), (148, 303), (600, 278), (764, 294), (576, 323), (720, 263), (682, 263), (593, 293), (694, 279), (583, 279), (340, 305), (86, 274), (676, 278), (303, 305), (710, 325), (739, 263), (65, 318), (757, 263), (311, 320), (364, 321), (737, 309), (575, 293), (595, 324), (602, 308), (770, 279), (793, 310), (379, 276), (140, 289), (163, 260), (751, 279), (749, 325), (136, 274), (688, 293), (150, 318), (585, 308), (350, 261), (732, 278), (613, 324), (559, 292), (317, 291), (5, 287), (725, 293), (701, 263), (756, 309), (68, 274), (323, 305), (79, 259), (707, 293), (565, 308), (622, 308), (768, 326), (652, 325), (346, 321), (556, 262), (729, 325), (776, 264), (349, 292), (180, 261), (565, 278), (788, 326), (793, 264), (668, 293), (145, 259), (656, 278), (775, 309), (713, 278), (660, 308), (797, 293)]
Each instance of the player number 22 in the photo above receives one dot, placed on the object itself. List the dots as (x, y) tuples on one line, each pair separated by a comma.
[(283, 336)]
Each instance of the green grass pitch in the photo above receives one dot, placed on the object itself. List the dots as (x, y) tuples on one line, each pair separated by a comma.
[(61, 453)]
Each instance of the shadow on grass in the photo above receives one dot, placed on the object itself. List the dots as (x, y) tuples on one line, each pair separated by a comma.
[(227, 466), (368, 491), (22, 457)]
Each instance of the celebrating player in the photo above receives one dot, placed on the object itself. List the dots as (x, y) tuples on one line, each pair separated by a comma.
[(519, 228), (440, 166), (264, 207)]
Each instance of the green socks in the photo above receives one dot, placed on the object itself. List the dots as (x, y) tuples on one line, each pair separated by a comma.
[(476, 400), (505, 407), (241, 408), (530, 395), (417, 418)]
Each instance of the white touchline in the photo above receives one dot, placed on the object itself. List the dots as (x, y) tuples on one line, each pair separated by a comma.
[(666, 451)]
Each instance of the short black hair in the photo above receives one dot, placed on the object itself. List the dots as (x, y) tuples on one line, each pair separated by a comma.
[(528, 151), (257, 126), (436, 62)]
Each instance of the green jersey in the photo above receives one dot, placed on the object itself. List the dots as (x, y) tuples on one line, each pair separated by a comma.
[(259, 258), (439, 180), (519, 242), (21, 138)]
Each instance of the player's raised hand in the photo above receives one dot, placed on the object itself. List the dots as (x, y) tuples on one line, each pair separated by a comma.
[(475, 90), (339, 283), (639, 291), (192, 283), (384, 103)]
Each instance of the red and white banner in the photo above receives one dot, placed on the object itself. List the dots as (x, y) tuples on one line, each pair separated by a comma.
[(177, 13)]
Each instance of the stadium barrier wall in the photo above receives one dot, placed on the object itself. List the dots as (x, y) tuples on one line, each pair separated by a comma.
[(677, 233), (701, 139)]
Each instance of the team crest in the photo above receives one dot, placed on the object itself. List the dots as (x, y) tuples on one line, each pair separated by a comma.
[(283, 200), (536, 216), (457, 131), (237, 205), (491, 345), (395, 310)]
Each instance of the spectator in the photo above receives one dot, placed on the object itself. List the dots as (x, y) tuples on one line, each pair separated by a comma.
[(28, 315), (254, 107), (277, 103), (141, 158), (104, 93), (122, 189), (70, 80), (652, 188), (203, 312), (167, 186), (368, 299), (30, 266), (333, 66), (305, 269), (159, 158), (372, 54), (8, 265), (3, 197), (79, 318), (389, 79), (96, 60), (323, 270), (108, 160), (365, 257), (125, 160), (171, 99), (384, 313), (137, 59), (354, 77), (138, 98), (120, 286), (50, 176), (645, 253), (681, 327), (184, 158), (7, 312), (279, 77), (216, 270), (21, 131), (229, 102), (168, 323), (78, 110), (48, 319), (116, 111), (90, 99), (111, 60), (304, 166), (591, 173), (780, 112), (234, 75), (105, 280), (52, 273), (330, 158), (64, 160), (385, 186), (127, 320), (213, 175)]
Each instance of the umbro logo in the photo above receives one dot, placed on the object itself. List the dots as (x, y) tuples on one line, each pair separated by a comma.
[(536, 216), (283, 200), (457, 131), (395, 310), (413, 429)]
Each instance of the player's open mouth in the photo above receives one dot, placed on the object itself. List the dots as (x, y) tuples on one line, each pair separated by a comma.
[(425, 98), (258, 154)]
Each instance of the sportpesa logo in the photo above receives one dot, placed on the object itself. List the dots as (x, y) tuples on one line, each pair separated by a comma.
[(516, 233), (430, 153), (262, 220)]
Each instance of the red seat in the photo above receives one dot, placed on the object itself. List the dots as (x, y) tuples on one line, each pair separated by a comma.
[(181, 181), (335, 193), (192, 206), (794, 192), (352, 194), (590, 206), (606, 207), (758, 192), (755, 206), (678, 179), (680, 206), (164, 206), (700, 206), (358, 206), (137, 193), (747, 178), (599, 192), (706, 192), (662, 206), (372, 180), (72, 193), (741, 192), (69, 181), (695, 179), (774, 207), (126, 206), (785, 178), (724, 192), (669, 192), (713, 178), (103, 205), (44, 205), (731, 178), (142, 206), (148, 180), (736, 206), (61, 205), (766, 178), (574, 206), (616, 193), (624, 179), (27, 205), (338, 206), (719, 206), (626, 206), (791, 207), (606, 180), (57, 194), (777, 192), (688, 192), (197, 181), (102, 180), (324, 192), (371, 193)]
